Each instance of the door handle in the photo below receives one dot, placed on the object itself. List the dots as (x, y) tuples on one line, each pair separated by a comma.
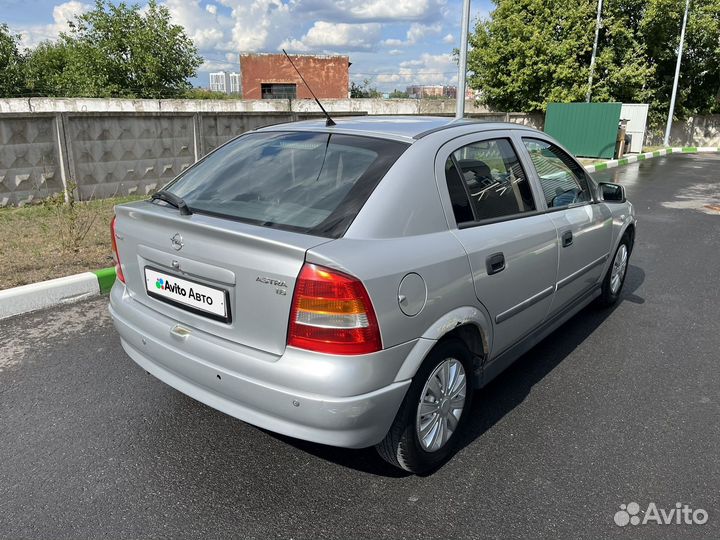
[(567, 239), (495, 263)]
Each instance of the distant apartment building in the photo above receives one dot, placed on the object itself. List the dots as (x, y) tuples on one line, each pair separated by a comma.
[(227, 83), (419, 91), (271, 76), (235, 83)]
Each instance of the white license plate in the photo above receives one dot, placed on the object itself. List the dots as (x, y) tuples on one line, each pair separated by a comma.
[(187, 294)]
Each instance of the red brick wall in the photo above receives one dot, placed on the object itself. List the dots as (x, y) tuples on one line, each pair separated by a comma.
[(326, 75)]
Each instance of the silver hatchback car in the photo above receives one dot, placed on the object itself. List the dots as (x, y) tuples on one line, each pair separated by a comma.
[(352, 285)]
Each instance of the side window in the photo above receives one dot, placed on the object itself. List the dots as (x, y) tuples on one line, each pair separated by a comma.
[(458, 196), (493, 180), (563, 181)]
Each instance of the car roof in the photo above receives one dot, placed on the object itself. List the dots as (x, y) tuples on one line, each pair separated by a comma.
[(407, 128)]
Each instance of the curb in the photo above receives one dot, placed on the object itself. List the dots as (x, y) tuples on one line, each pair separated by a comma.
[(64, 290), (611, 164)]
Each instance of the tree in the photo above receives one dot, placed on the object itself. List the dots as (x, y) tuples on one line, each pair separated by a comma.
[(622, 72), (11, 63), (203, 93), (364, 90), (398, 94), (699, 88), (51, 69), (531, 52), (133, 53), (115, 50)]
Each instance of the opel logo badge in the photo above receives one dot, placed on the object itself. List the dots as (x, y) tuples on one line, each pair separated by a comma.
[(177, 242)]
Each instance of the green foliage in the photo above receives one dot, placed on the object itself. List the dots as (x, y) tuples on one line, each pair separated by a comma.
[(10, 63), (110, 51), (53, 69), (622, 71), (203, 93), (532, 52), (131, 53), (364, 90), (699, 88), (398, 94)]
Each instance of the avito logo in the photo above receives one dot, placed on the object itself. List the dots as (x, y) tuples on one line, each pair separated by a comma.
[(166, 285), (681, 514)]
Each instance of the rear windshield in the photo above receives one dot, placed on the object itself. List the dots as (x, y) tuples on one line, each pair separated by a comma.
[(314, 183)]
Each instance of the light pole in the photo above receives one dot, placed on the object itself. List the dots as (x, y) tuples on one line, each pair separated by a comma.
[(462, 61), (666, 141), (598, 22)]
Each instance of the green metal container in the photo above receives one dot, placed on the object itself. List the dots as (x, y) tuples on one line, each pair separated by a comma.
[(586, 129)]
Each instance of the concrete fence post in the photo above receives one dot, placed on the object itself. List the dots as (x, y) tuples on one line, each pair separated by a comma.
[(68, 156), (197, 138), (61, 146)]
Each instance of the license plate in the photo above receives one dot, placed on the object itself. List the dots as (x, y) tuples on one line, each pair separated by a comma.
[(189, 295)]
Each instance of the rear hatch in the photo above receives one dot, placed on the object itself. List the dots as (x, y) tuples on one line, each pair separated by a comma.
[(254, 268), (256, 205)]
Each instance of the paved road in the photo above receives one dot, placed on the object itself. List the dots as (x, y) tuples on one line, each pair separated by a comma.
[(616, 406)]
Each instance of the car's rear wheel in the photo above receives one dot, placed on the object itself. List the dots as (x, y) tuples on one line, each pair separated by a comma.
[(425, 431), (615, 277)]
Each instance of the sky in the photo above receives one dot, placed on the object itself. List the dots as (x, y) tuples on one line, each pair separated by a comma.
[(391, 43)]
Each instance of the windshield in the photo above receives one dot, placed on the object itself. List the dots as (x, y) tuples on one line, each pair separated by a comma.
[(314, 183)]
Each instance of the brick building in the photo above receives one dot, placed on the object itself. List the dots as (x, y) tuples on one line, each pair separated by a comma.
[(271, 76)]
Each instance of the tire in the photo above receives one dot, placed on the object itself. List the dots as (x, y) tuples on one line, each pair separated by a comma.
[(611, 288), (402, 446)]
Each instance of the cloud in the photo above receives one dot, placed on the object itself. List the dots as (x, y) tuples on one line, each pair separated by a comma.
[(63, 13), (373, 10), (327, 36), (418, 32), (415, 34), (392, 42), (427, 69), (203, 25), (221, 29)]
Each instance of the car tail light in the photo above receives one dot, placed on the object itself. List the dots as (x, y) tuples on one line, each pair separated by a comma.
[(332, 313), (116, 256)]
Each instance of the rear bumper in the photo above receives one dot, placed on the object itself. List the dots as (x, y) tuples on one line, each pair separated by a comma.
[(206, 370)]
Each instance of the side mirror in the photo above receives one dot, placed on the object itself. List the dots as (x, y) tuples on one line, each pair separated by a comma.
[(612, 193)]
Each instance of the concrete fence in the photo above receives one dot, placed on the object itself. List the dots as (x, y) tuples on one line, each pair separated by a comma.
[(109, 153), (111, 147), (696, 131)]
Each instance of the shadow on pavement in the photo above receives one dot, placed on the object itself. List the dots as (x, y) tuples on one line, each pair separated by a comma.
[(502, 395)]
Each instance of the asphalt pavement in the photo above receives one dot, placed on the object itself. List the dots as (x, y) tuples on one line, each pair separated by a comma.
[(617, 406)]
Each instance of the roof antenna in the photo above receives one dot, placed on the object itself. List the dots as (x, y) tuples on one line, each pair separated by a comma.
[(328, 121)]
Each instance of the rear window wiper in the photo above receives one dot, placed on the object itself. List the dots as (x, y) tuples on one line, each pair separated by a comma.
[(174, 200)]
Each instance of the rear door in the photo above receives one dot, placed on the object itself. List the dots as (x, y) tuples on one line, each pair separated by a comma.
[(511, 246), (584, 228)]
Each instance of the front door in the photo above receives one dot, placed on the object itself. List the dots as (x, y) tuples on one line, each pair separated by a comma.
[(584, 228)]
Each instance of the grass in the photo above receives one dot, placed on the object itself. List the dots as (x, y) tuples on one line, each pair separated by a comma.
[(652, 148), (31, 249)]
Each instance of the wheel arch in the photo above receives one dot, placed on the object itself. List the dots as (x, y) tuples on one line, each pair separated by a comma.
[(468, 324), (630, 231)]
